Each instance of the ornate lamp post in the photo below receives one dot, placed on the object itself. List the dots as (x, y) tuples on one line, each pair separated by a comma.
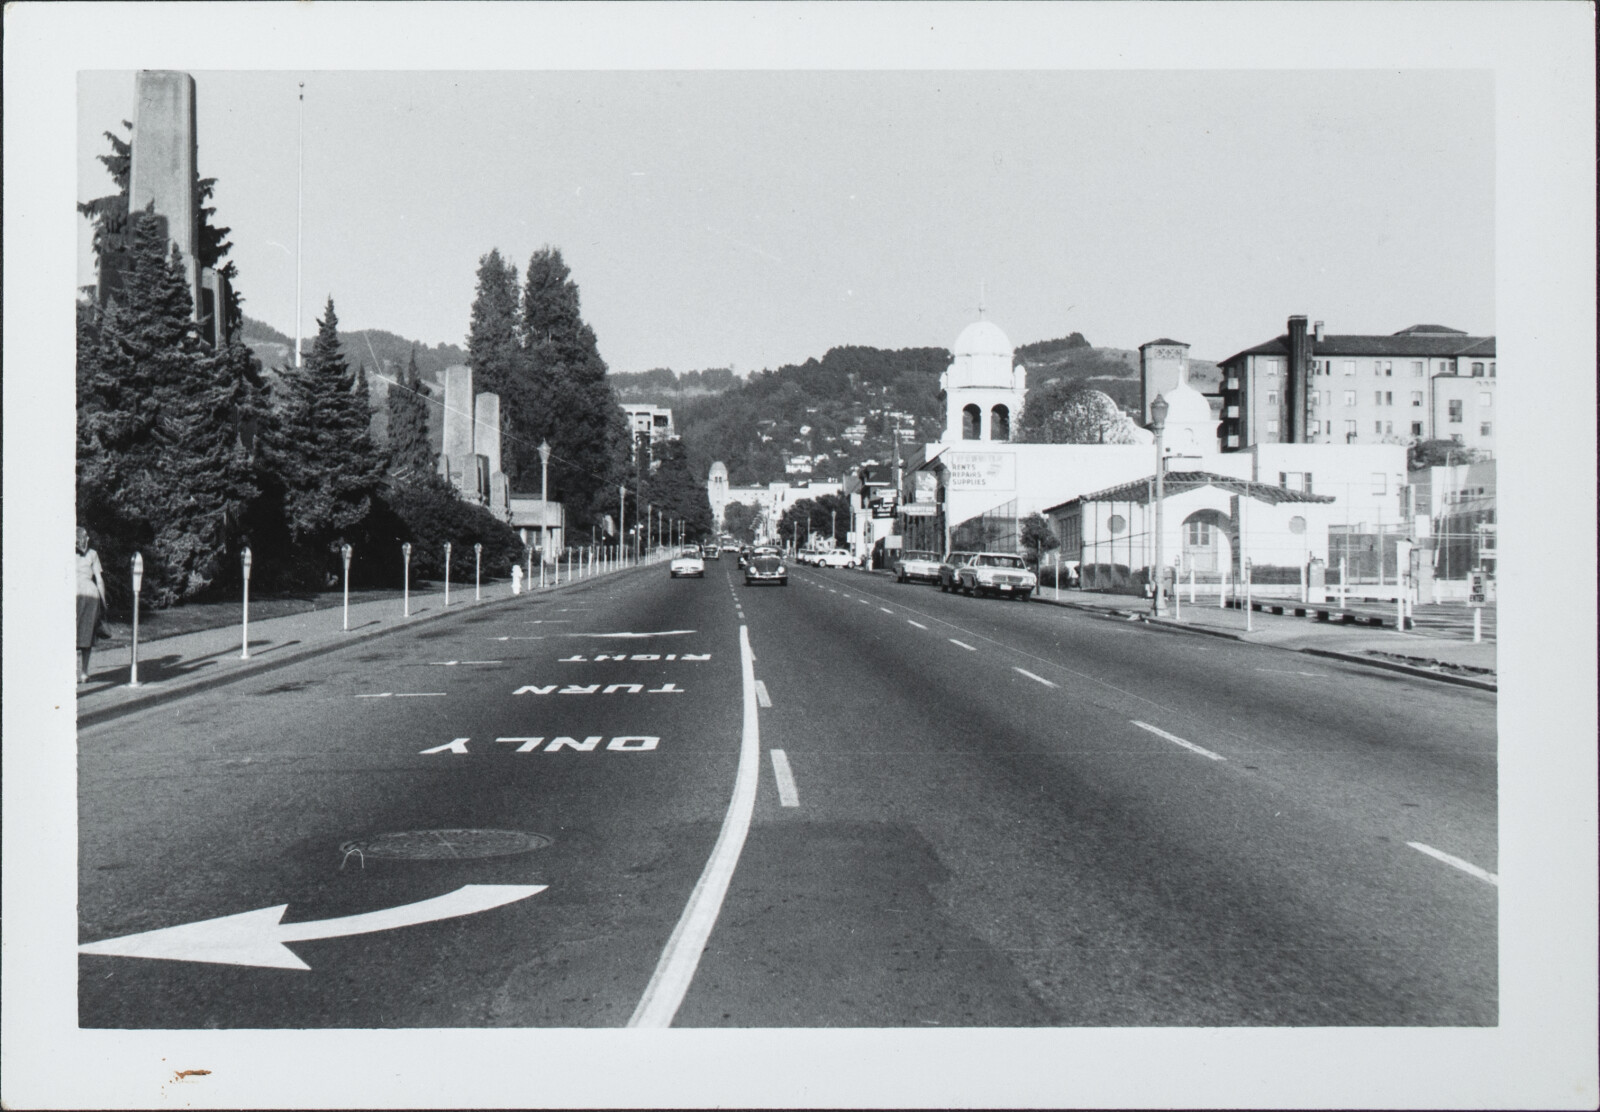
[(138, 580), (622, 516), (1158, 423)]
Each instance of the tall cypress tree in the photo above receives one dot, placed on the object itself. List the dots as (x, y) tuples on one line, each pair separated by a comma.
[(323, 450), (495, 354), (410, 449), (575, 407)]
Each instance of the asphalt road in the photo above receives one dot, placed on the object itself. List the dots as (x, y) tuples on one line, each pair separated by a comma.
[(958, 812)]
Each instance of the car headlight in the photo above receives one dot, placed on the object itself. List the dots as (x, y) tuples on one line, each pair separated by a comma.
[(780, 569)]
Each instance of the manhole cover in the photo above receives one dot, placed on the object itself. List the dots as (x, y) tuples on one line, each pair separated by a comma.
[(443, 845)]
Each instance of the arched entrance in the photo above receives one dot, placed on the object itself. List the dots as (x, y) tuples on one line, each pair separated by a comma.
[(1206, 547)]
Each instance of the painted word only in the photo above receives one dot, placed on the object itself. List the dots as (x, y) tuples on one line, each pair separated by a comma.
[(592, 688), (625, 744), (579, 658)]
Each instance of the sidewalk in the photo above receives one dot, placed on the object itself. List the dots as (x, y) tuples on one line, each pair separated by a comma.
[(1428, 654), (184, 663)]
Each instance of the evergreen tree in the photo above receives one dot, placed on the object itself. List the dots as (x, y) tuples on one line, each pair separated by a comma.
[(324, 453), (494, 352), (673, 490), (410, 449), (161, 464), (573, 405)]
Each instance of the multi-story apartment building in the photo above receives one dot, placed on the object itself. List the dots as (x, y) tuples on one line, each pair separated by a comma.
[(654, 421), (1426, 382)]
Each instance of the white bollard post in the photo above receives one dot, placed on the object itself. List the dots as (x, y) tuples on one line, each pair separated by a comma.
[(1477, 625), (405, 554), (344, 554), (477, 573), (447, 575), (244, 562), (138, 580), (1247, 619)]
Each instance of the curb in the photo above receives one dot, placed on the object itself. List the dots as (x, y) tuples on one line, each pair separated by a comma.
[(1407, 669), (309, 652)]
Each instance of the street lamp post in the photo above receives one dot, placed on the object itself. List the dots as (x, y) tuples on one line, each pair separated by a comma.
[(544, 505), (244, 563), (447, 574), (622, 515), (477, 573), (1158, 423), (405, 555), (138, 580), (344, 554)]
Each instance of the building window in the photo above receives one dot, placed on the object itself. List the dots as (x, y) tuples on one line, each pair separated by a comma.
[(1272, 427), (971, 423), (1416, 398), (1455, 411), (1377, 428), (1447, 366), (1349, 366), (1416, 428), (1349, 430), (1388, 397), (1380, 483), (1485, 428), (1272, 397), (1272, 368), (1377, 397), (1388, 428), (999, 423), (1491, 370), (1197, 534), (1417, 369), (1477, 370), (1349, 397), (1485, 399)]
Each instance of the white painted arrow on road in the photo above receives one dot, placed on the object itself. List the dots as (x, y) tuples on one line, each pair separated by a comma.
[(257, 937)]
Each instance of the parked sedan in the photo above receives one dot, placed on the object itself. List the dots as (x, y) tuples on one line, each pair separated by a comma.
[(688, 562), (994, 573), (766, 566), (835, 558), (914, 565)]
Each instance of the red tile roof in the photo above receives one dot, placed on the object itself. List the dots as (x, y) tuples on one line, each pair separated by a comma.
[(1180, 482)]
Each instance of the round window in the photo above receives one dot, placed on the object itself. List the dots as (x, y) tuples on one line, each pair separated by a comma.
[(1117, 523)]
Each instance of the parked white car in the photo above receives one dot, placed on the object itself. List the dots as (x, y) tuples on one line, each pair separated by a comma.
[(835, 558), (688, 562), (992, 573)]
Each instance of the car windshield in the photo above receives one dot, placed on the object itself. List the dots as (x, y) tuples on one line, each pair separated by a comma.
[(690, 553), (1001, 562)]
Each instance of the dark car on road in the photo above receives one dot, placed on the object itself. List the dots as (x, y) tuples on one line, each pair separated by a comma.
[(766, 566)]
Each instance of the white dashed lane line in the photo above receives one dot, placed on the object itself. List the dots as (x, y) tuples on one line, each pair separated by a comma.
[(403, 695), (961, 644), (1031, 676), (1176, 740), (1465, 866), (762, 698), (919, 625), (886, 610), (788, 796)]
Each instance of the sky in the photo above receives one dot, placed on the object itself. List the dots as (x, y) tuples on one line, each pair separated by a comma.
[(751, 219)]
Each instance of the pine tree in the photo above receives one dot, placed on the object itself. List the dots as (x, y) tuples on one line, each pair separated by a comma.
[(161, 465), (573, 405), (323, 451), (410, 449)]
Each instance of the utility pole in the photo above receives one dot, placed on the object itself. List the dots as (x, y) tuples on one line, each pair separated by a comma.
[(299, 223)]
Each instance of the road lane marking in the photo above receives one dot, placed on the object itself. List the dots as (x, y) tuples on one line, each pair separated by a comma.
[(919, 625), (762, 697), (676, 968), (1176, 740), (1031, 676), (787, 795), (886, 610), (418, 694), (657, 633), (1465, 866), (1292, 672), (453, 663), (963, 644), (257, 938)]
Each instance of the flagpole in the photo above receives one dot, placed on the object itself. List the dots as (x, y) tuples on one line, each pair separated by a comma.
[(299, 222)]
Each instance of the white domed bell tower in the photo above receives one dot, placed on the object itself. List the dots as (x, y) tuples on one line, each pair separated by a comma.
[(983, 391)]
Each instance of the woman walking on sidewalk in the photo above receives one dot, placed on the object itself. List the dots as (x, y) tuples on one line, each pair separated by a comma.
[(91, 600)]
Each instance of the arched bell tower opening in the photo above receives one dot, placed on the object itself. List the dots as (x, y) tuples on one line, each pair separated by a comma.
[(1000, 423), (971, 423)]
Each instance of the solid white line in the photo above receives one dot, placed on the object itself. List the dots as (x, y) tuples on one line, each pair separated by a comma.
[(416, 694), (963, 644), (761, 695), (1176, 740), (919, 625), (681, 958), (1031, 676), (1464, 866), (380, 695), (788, 796)]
